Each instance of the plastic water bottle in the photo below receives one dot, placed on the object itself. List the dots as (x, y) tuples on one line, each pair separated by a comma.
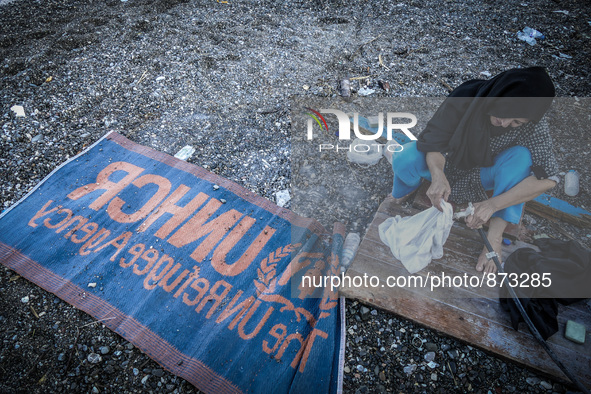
[(349, 249), (571, 183)]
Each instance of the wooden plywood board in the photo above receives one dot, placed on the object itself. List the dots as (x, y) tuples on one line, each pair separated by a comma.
[(473, 315)]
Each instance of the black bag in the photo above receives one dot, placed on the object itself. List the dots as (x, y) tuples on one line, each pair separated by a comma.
[(566, 265)]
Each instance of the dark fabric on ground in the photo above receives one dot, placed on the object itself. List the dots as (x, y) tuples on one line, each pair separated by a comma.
[(569, 267)]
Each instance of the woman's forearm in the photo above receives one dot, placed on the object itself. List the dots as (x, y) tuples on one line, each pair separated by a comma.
[(436, 164), (524, 191)]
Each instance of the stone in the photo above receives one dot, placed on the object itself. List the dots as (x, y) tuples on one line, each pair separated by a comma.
[(158, 372), (453, 354), (362, 390), (546, 385), (430, 356), (94, 358), (365, 312), (452, 367), (409, 369), (432, 347), (434, 377), (105, 350)]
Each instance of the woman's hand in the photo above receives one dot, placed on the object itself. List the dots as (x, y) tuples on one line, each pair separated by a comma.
[(439, 189), (482, 213)]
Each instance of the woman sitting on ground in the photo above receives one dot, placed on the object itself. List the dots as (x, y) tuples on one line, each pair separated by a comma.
[(487, 135)]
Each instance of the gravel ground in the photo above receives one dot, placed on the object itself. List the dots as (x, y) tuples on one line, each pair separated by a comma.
[(219, 77)]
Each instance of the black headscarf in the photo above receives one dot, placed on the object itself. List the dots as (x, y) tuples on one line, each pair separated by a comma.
[(460, 126)]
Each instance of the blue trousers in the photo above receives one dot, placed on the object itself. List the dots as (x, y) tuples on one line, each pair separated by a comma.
[(510, 167)]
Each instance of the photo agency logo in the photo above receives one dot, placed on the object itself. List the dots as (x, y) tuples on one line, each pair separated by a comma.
[(366, 131)]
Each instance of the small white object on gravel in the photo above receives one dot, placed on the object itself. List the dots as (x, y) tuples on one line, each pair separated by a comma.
[(432, 364), (366, 91), (282, 198), (185, 153), (94, 358), (18, 110)]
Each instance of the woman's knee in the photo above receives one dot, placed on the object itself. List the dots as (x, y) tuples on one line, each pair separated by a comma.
[(516, 157), (409, 155)]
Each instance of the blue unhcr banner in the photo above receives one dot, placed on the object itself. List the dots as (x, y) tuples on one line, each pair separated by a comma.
[(191, 268)]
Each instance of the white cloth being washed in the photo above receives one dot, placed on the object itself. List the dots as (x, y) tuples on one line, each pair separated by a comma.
[(416, 240)]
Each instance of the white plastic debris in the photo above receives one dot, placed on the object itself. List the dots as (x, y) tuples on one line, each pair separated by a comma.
[(18, 110), (349, 249), (467, 212), (374, 121), (160, 79), (364, 152), (530, 35), (282, 198), (185, 153), (25, 299), (92, 285), (365, 91)]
